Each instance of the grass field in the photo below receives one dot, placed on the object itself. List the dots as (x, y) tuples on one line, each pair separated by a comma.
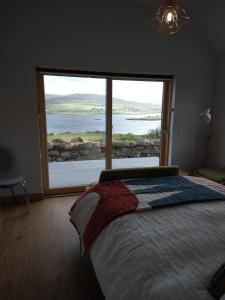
[(88, 104), (100, 136)]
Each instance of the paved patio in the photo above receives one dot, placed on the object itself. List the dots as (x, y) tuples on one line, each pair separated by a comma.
[(73, 173)]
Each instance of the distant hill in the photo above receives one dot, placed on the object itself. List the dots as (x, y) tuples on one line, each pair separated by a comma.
[(51, 96), (95, 104)]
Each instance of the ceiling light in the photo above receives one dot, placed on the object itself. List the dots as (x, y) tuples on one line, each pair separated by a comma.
[(170, 17)]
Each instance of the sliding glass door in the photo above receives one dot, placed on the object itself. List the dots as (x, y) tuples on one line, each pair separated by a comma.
[(88, 124), (136, 120), (75, 129)]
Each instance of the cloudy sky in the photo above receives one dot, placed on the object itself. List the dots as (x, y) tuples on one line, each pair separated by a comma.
[(139, 91)]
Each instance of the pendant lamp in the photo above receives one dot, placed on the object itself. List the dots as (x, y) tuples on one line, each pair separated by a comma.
[(170, 17)]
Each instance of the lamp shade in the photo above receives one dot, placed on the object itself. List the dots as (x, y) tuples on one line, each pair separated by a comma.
[(205, 115), (170, 17)]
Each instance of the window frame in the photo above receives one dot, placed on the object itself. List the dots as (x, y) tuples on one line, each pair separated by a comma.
[(165, 123)]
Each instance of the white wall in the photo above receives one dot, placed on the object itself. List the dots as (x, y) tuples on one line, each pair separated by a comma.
[(211, 23), (217, 136), (110, 36)]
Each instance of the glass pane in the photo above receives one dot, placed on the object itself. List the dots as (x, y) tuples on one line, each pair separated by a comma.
[(75, 114), (137, 107)]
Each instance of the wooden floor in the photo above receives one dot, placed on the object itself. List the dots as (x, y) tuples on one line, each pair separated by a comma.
[(39, 255)]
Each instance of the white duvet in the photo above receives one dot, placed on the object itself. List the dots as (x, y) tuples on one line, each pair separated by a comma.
[(165, 253)]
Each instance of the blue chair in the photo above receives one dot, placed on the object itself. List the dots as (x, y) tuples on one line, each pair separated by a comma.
[(12, 182)]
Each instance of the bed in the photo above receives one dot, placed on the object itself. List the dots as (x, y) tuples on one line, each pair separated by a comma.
[(166, 252)]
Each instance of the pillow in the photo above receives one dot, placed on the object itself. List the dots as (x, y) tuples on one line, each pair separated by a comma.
[(217, 175), (82, 212), (217, 284)]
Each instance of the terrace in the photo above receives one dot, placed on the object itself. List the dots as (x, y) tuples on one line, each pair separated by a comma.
[(73, 173)]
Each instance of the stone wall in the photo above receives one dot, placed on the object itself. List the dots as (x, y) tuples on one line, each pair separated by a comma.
[(62, 151)]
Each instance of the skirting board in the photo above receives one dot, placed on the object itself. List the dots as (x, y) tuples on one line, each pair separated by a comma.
[(21, 198)]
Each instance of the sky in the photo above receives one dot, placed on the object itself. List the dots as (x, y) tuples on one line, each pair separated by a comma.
[(130, 90)]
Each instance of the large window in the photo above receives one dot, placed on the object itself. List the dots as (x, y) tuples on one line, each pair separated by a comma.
[(89, 123), (136, 123)]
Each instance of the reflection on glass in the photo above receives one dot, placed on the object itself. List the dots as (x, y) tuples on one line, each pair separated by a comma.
[(137, 107), (75, 114)]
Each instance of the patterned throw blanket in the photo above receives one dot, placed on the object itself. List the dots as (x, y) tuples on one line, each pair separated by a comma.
[(162, 191), (115, 198)]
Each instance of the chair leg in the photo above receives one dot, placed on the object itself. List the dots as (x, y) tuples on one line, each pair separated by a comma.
[(24, 185)]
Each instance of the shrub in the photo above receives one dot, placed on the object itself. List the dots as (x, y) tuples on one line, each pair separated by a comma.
[(125, 137), (154, 133)]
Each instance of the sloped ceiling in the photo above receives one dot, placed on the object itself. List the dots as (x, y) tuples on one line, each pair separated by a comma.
[(188, 3), (208, 17)]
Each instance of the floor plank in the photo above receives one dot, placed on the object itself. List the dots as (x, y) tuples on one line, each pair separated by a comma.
[(39, 254)]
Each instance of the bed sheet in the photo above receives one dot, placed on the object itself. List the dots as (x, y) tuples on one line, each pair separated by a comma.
[(161, 254)]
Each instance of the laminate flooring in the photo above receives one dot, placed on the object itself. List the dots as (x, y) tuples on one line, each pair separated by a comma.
[(39, 254)]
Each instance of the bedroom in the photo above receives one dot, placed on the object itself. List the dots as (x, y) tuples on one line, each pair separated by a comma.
[(110, 36)]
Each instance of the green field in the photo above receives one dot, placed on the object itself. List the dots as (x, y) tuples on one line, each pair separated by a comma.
[(96, 104), (147, 118), (100, 136), (78, 108)]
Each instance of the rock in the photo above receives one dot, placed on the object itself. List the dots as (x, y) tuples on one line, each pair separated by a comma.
[(95, 145), (146, 142), (140, 143), (59, 145), (77, 140), (81, 146), (68, 146), (117, 144), (96, 150), (75, 146), (58, 140), (126, 144), (65, 156), (89, 145), (102, 144), (53, 153), (50, 146), (155, 142), (117, 154), (83, 151), (74, 155), (133, 144), (135, 152), (157, 151), (145, 151)]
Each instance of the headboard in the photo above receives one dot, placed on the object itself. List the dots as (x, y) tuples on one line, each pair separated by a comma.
[(129, 173)]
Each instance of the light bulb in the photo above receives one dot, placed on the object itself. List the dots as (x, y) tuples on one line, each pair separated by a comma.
[(169, 17)]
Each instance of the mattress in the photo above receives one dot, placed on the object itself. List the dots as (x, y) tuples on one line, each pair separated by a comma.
[(164, 253)]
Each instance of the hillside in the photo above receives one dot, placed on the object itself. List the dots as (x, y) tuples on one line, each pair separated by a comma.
[(95, 104)]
